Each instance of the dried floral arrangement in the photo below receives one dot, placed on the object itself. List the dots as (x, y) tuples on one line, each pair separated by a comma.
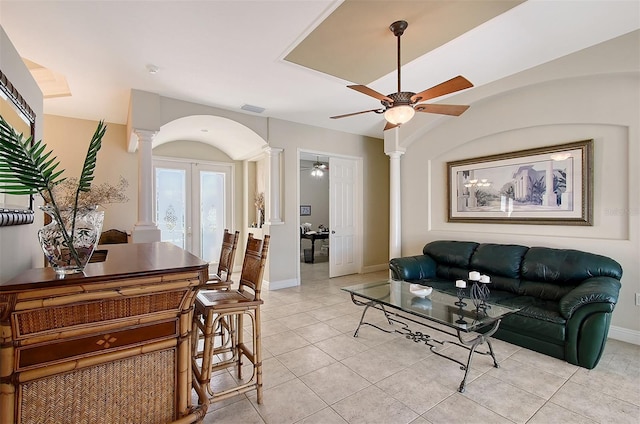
[(98, 195), (259, 200)]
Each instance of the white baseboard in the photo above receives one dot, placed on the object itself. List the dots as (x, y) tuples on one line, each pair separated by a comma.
[(283, 284), (624, 335), (375, 268)]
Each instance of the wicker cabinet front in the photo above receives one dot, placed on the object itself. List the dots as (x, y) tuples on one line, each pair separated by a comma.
[(100, 349)]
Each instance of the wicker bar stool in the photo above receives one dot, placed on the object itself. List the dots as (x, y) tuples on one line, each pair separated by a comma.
[(222, 279), (225, 310)]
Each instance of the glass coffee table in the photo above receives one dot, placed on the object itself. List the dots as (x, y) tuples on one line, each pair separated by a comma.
[(456, 317)]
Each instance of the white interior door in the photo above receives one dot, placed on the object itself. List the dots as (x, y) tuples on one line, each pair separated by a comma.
[(344, 251)]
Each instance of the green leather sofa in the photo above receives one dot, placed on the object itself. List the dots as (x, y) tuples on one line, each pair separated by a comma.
[(568, 295)]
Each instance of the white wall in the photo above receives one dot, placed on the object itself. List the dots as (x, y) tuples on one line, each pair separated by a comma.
[(604, 107), (19, 248)]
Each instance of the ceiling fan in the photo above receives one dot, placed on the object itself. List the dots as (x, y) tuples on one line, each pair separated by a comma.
[(318, 168), (399, 107)]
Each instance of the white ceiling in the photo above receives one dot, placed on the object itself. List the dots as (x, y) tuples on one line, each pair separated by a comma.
[(228, 53)]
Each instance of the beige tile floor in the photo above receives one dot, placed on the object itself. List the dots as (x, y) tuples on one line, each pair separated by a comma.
[(315, 371)]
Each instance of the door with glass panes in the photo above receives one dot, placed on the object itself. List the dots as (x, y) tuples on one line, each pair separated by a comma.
[(192, 205)]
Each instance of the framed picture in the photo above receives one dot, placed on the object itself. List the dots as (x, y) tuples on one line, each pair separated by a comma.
[(548, 185), (305, 210)]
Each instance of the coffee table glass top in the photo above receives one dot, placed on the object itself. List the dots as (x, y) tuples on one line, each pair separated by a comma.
[(438, 306)]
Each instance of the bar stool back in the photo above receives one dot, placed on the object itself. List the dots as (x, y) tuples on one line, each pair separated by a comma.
[(225, 310), (222, 279)]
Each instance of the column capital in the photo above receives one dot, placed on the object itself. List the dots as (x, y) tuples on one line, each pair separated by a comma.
[(145, 135), (270, 150), (395, 154), (140, 136)]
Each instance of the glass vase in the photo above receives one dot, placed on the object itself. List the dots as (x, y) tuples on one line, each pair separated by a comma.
[(84, 239)]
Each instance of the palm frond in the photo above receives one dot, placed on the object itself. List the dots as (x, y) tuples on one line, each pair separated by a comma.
[(24, 168), (86, 177)]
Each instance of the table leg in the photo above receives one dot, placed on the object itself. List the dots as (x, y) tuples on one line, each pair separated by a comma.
[(313, 249), (474, 343)]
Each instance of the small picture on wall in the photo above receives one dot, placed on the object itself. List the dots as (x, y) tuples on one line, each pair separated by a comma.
[(305, 210)]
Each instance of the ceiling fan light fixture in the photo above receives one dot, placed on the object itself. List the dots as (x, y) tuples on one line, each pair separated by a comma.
[(399, 115), (317, 172)]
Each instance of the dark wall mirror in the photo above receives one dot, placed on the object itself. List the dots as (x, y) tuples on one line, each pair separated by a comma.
[(15, 210)]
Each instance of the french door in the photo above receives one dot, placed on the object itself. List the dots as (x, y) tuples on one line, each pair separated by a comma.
[(193, 205)]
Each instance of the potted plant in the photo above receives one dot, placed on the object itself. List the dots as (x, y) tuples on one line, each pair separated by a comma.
[(28, 168)]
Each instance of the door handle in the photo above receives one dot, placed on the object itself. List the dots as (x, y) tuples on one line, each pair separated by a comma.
[(333, 232)]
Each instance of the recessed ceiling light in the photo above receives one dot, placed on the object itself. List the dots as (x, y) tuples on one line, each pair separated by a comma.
[(152, 69)]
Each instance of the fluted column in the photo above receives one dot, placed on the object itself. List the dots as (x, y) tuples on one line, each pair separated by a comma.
[(145, 229), (274, 207)]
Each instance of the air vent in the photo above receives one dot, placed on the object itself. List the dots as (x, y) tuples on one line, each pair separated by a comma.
[(251, 108)]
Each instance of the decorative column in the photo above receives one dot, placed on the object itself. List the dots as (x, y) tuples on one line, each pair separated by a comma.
[(273, 188), (394, 150), (395, 208), (145, 229)]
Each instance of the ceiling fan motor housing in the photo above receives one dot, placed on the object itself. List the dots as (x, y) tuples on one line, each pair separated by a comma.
[(399, 98)]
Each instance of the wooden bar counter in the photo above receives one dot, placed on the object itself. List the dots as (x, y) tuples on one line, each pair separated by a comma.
[(111, 345)]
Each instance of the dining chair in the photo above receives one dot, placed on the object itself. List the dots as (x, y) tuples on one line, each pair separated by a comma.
[(213, 307), (113, 236), (222, 278)]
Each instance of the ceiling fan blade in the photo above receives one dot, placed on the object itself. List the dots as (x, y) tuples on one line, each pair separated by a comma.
[(389, 126), (370, 92), (454, 84), (453, 110), (357, 113)]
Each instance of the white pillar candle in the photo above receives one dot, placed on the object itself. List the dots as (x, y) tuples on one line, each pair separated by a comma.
[(474, 275), (485, 279), (461, 284)]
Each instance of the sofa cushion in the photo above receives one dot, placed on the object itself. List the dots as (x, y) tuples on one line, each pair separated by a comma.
[(539, 319), (455, 254), (544, 290), (501, 262), (565, 266), (498, 259), (452, 258)]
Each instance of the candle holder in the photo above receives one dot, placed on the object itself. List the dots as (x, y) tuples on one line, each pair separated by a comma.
[(480, 294), (460, 319), (461, 295)]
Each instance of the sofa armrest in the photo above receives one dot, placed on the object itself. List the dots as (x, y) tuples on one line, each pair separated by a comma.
[(411, 268), (593, 290)]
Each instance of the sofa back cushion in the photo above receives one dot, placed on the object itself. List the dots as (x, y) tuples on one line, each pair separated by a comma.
[(551, 273), (501, 262), (452, 257)]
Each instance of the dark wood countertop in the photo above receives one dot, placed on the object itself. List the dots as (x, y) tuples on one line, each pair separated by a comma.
[(131, 260)]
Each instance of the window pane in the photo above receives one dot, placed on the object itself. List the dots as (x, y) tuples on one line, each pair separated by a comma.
[(171, 205), (211, 214)]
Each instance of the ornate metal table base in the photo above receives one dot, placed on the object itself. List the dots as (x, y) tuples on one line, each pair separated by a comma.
[(471, 344)]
